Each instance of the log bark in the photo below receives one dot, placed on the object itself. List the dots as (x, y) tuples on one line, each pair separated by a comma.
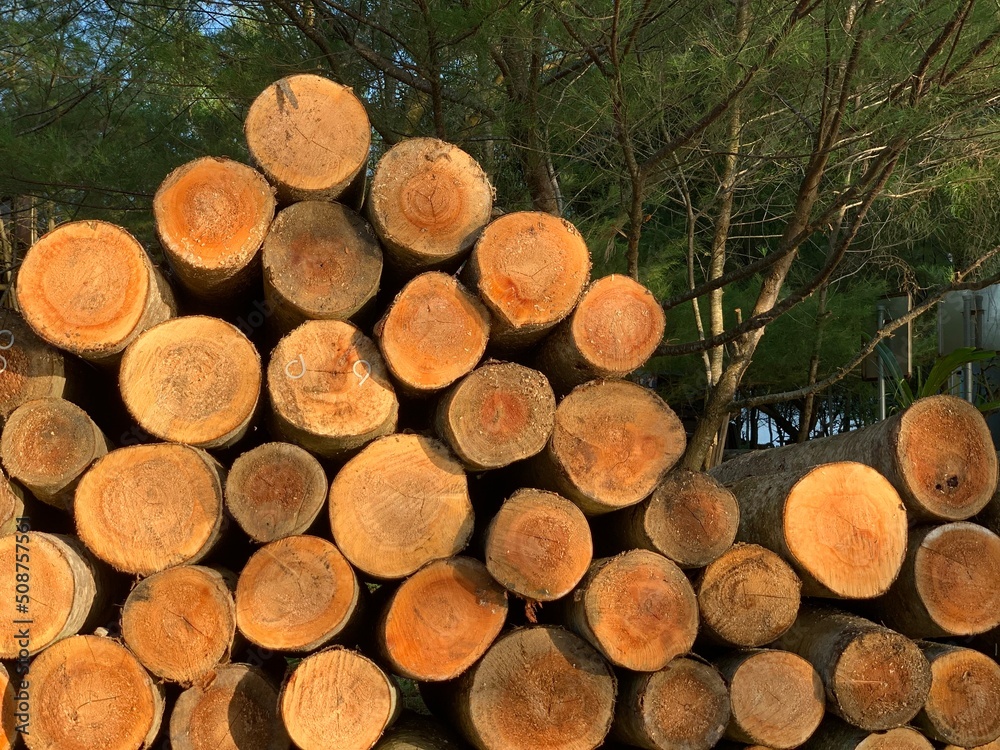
[(612, 444), (180, 623), (211, 216), (841, 526), (47, 444), (538, 545), (275, 490), (938, 454), (963, 707), (309, 136), (89, 692), (429, 202), (530, 269), (329, 389), (237, 709), (59, 583), (614, 329), (748, 597), (30, 367), (297, 594), (88, 287), (12, 700), (147, 507), (434, 333), (875, 678), (441, 620), (366, 700), (690, 518), (416, 732), (637, 609), (193, 380), (321, 262), (776, 698), (400, 503), (834, 734), (684, 706), (949, 584), (496, 415), (537, 687)]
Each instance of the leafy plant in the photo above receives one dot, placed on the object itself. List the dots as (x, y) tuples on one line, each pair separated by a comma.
[(936, 379)]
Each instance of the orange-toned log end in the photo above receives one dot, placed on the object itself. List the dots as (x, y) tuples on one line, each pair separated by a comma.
[(538, 545), (434, 333), (834, 734), (296, 594), (147, 507), (309, 135), (60, 593), (400, 503), (945, 458), (211, 217), (180, 623), (963, 706), (236, 710), (193, 380), (776, 698), (690, 518), (684, 706), (321, 261), (995, 745), (441, 619), (612, 444), (89, 692), (29, 367), (748, 597), (429, 202), (614, 329), (9, 706), (530, 269), (638, 609), (88, 287), (366, 701), (275, 490), (498, 414), (329, 389), (47, 444)]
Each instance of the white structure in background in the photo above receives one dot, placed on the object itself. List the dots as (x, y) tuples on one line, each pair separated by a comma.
[(969, 319)]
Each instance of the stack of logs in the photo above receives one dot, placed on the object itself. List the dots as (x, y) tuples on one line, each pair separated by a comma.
[(366, 449)]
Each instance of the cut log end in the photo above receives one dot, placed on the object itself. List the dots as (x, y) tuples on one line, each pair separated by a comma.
[(834, 734), (180, 623), (296, 594), (416, 732), (309, 135), (236, 710), (211, 216), (329, 389), (400, 503), (114, 702), (9, 701), (148, 507), (12, 505), (29, 368), (538, 545), (442, 619), (429, 202), (963, 706), (367, 701), (498, 414)]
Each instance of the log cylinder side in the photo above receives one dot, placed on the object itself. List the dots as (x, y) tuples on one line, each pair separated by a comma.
[(637, 609), (400, 503), (47, 444), (538, 545), (309, 135), (236, 710), (90, 692), (329, 389), (429, 202), (29, 367), (612, 444), (963, 707), (147, 507), (499, 413), (321, 261), (88, 287), (180, 622), (834, 734), (211, 216), (296, 594), (441, 619)]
